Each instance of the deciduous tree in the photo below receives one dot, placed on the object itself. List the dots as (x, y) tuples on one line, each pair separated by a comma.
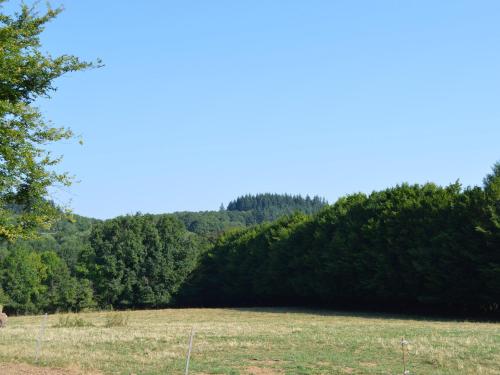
[(26, 166)]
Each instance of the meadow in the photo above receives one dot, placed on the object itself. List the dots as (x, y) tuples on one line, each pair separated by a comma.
[(246, 341)]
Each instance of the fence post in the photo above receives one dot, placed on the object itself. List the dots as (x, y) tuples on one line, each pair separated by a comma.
[(40, 338), (189, 351), (404, 349)]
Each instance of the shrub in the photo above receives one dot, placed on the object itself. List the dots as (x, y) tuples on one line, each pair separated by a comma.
[(116, 320), (69, 321)]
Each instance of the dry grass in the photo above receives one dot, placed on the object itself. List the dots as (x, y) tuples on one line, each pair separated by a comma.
[(252, 341)]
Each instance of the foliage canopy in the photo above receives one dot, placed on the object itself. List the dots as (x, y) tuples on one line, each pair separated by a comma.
[(26, 166)]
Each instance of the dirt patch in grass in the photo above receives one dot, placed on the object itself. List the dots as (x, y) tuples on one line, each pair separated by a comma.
[(368, 364), (254, 370), (24, 369)]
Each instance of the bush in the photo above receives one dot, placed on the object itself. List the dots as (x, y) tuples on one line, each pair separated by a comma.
[(116, 320), (70, 321)]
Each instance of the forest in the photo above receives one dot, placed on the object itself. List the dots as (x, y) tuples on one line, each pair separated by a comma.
[(414, 247), (130, 261)]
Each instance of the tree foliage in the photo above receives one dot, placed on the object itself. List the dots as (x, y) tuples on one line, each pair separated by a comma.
[(140, 261), (407, 247), (26, 167), (32, 282), (269, 207), (248, 210)]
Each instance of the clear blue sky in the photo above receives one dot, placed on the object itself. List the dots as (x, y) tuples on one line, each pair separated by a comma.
[(202, 101)]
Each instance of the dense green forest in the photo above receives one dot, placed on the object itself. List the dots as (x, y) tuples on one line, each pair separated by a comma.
[(407, 247), (248, 210), (93, 270), (411, 246)]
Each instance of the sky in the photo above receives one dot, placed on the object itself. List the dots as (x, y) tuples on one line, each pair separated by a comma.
[(202, 101)]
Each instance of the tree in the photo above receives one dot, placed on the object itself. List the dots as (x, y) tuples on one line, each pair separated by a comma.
[(140, 260), (26, 166), (21, 275), (63, 292), (492, 182)]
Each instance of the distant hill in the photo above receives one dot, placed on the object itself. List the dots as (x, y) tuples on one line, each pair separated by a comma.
[(68, 238), (268, 207), (248, 210)]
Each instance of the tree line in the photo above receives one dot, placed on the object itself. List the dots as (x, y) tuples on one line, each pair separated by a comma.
[(407, 247), (128, 262)]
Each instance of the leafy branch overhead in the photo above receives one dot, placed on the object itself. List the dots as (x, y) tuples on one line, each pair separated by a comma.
[(26, 166)]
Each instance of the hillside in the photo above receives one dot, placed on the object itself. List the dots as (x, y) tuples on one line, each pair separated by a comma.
[(248, 210), (69, 236)]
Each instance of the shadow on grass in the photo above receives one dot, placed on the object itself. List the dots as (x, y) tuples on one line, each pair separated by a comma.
[(385, 315)]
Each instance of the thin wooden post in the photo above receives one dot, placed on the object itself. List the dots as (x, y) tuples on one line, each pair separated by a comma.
[(38, 345), (189, 351), (404, 348)]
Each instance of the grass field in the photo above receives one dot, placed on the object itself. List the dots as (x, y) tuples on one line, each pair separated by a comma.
[(247, 341)]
